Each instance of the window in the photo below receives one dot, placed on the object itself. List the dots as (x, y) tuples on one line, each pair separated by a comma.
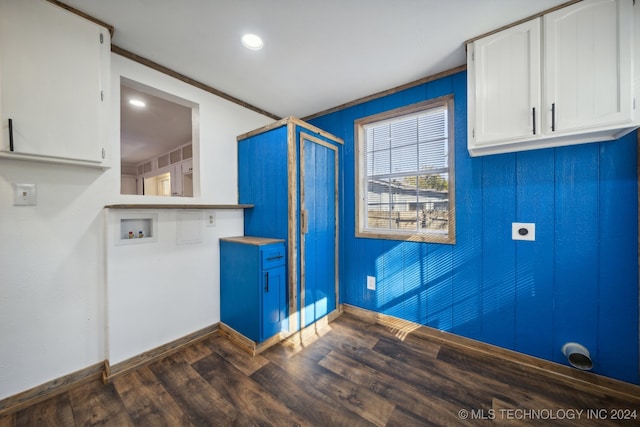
[(404, 172)]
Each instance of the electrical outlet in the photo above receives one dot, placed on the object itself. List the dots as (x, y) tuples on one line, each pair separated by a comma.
[(371, 283), (523, 231), (211, 219), (24, 194)]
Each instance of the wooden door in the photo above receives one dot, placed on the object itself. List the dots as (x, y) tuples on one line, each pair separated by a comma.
[(318, 228)]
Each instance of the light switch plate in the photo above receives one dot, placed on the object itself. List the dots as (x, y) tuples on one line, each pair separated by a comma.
[(523, 231), (24, 194)]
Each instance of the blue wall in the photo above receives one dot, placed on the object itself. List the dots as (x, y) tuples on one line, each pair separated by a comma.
[(577, 282)]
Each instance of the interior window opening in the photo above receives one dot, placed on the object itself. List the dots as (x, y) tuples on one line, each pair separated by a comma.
[(156, 142)]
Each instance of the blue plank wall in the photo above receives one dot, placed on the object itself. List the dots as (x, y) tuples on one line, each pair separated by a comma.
[(577, 282)]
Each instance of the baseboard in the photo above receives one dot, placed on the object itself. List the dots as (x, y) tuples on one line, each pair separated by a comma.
[(49, 389), (111, 372), (291, 339), (577, 379), (247, 344), (311, 332), (100, 370)]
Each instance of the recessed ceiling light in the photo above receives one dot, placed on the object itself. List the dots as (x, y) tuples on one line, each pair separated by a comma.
[(251, 41), (137, 103)]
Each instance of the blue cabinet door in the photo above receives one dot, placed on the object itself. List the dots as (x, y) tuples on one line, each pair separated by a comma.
[(239, 292), (318, 204), (273, 301)]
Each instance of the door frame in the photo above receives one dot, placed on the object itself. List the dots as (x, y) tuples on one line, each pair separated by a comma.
[(293, 238)]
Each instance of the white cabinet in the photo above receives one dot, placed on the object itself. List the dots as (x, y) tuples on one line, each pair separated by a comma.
[(565, 78), (170, 174), (174, 180), (588, 65), (54, 77), (505, 85), (182, 179), (187, 178)]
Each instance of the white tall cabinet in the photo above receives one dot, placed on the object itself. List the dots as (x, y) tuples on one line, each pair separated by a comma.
[(54, 76), (565, 78)]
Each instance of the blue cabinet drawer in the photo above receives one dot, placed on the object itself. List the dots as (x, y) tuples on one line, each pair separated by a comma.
[(273, 256)]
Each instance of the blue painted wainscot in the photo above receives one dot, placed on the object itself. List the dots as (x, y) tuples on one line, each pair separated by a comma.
[(577, 282)]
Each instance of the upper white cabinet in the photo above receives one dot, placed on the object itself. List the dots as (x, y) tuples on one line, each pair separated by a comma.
[(54, 76), (565, 78), (506, 67)]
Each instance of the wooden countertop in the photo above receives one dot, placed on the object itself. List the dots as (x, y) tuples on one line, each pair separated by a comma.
[(251, 240)]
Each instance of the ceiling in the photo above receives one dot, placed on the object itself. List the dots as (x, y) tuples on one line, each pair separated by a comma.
[(317, 54), (150, 131)]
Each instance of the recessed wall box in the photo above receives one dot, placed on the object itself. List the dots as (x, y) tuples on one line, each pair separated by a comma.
[(132, 228)]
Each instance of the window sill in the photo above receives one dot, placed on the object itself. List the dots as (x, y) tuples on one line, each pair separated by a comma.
[(417, 237)]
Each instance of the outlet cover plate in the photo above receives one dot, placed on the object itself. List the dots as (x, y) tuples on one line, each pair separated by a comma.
[(523, 231), (371, 283), (210, 218), (24, 194)]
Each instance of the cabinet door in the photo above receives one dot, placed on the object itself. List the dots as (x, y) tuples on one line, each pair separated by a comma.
[(588, 65), (176, 180), (182, 179), (187, 178), (504, 81), (53, 68), (273, 301), (241, 287)]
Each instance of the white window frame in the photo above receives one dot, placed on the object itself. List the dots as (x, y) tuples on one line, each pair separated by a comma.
[(447, 235)]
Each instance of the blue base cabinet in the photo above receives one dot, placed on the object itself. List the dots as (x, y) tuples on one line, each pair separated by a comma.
[(253, 286)]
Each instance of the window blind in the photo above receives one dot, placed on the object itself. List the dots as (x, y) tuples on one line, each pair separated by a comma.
[(406, 163)]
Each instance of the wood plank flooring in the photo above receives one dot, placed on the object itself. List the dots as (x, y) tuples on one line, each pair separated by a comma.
[(355, 374)]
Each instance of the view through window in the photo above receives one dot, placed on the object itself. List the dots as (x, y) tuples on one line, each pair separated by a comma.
[(405, 174), (156, 142)]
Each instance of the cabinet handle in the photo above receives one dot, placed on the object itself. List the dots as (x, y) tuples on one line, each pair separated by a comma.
[(10, 134), (534, 120), (553, 117), (275, 257), (266, 281)]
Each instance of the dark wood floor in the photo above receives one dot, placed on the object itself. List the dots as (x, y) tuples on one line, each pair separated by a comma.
[(355, 374)]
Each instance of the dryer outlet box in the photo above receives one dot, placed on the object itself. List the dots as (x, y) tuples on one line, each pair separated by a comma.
[(523, 231)]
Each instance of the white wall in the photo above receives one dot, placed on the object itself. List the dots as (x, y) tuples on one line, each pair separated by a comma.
[(163, 290), (51, 274), (53, 286)]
